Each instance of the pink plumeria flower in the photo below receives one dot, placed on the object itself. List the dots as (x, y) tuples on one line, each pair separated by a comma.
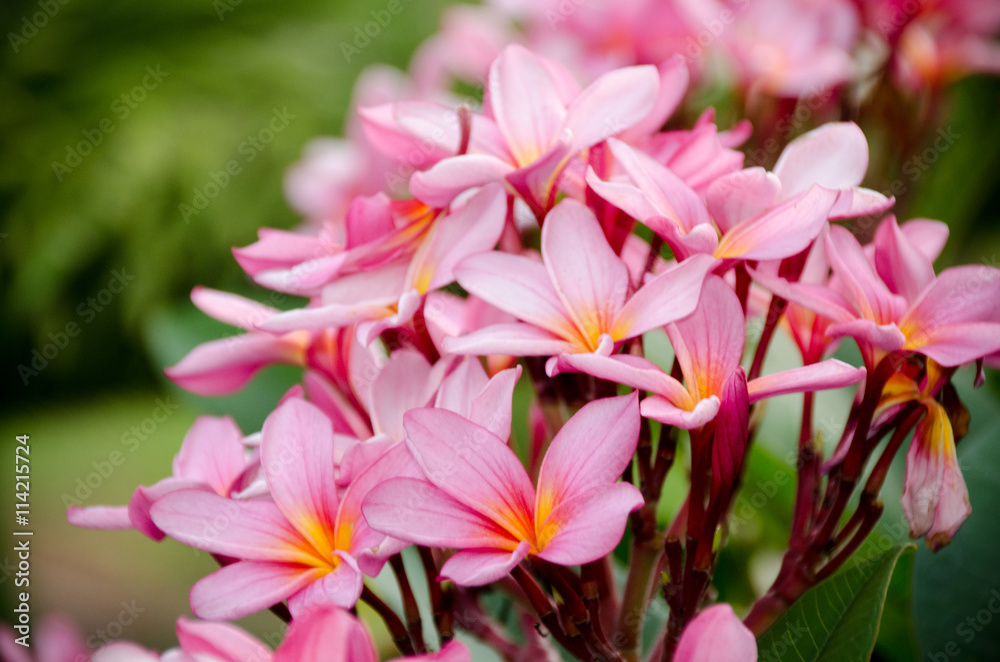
[(308, 546), (579, 300), (899, 304), (328, 634), (577, 514), (708, 344), (716, 635), (935, 498), (388, 296), (447, 315), (544, 120), (212, 458)]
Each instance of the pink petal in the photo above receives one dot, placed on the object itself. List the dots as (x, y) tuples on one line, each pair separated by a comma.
[(857, 202), (900, 264), (742, 195), (221, 367), (326, 634), (525, 102), (406, 307), (245, 587), (591, 450), (588, 525), (340, 588), (221, 641), (591, 280), (781, 232), (297, 457), (834, 156), (518, 286), (716, 635), (665, 191), (231, 309), (927, 235), (416, 511), (278, 249), (211, 453), (473, 466), (479, 567), (709, 343), (869, 294), (674, 79), (461, 385), (633, 371), (252, 530), (492, 407), (419, 133), (441, 183), (453, 651), (109, 518), (660, 409), (403, 384), (671, 295), (396, 462), (508, 339), (883, 336), (473, 228), (144, 497), (731, 430), (954, 344), (818, 298), (816, 377), (612, 103)]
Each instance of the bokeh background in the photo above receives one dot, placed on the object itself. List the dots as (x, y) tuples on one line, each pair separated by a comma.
[(94, 168)]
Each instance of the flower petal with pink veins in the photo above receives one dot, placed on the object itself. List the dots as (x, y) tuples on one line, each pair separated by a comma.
[(231, 309), (742, 195), (901, 265), (674, 79), (517, 285), (221, 367), (416, 511), (634, 371), (278, 249), (884, 336), (473, 466), (716, 635), (781, 232), (515, 339), (660, 409), (615, 101), (671, 295), (252, 530), (212, 453), (591, 450), (326, 634), (404, 383), (587, 525), (492, 407), (220, 641), (590, 279), (526, 103), (816, 377), (423, 131), (709, 342), (834, 156), (478, 567), (868, 293), (297, 458), (441, 183), (340, 588), (246, 587)]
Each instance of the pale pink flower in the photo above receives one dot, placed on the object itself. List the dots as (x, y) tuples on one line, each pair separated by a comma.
[(708, 345), (577, 513), (579, 300)]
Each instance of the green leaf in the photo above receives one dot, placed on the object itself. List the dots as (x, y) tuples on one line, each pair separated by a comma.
[(837, 620)]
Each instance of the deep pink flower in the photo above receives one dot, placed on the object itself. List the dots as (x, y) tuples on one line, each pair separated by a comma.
[(476, 497)]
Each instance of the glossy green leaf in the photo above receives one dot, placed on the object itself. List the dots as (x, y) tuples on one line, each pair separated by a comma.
[(838, 620)]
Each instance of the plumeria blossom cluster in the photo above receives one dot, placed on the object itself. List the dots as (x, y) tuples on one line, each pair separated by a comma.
[(457, 253)]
